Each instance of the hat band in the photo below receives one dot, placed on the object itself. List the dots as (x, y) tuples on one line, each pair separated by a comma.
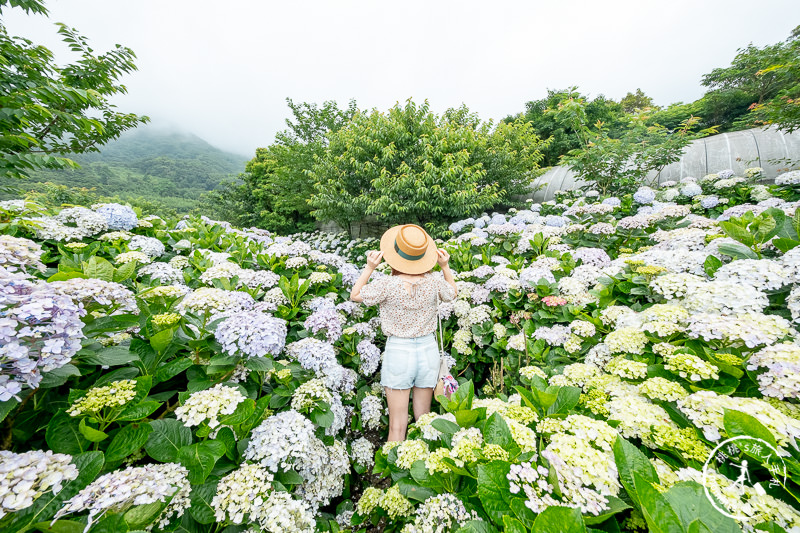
[(404, 255)]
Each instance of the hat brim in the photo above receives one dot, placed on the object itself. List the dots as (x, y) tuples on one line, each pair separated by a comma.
[(401, 264)]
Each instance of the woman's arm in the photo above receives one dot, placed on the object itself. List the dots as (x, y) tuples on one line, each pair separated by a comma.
[(373, 260), (444, 263)]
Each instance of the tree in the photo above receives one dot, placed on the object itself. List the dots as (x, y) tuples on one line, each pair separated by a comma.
[(410, 166), (562, 136), (783, 111), (273, 191), (637, 101), (620, 165), (51, 111)]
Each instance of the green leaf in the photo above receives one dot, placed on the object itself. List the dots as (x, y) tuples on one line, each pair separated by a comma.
[(6, 407), (566, 399), (413, 491), (688, 499), (139, 411), (322, 416), (523, 512), (124, 272), (112, 356), (659, 514), (201, 497), (260, 364), (63, 435), (98, 268), (200, 459), (91, 434), (476, 526), (770, 527), (711, 265), (737, 423), (466, 418), (512, 525), (557, 519), (171, 369), (58, 376), (128, 440), (243, 411), (630, 460), (141, 516), (60, 526), (162, 339), (494, 490), (737, 251), (445, 426), (168, 436), (496, 431)]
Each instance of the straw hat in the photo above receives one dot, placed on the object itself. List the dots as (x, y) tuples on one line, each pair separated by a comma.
[(409, 249)]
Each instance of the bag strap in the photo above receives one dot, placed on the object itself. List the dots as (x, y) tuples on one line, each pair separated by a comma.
[(441, 334)]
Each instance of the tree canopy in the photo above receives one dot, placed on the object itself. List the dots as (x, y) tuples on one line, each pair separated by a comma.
[(48, 111)]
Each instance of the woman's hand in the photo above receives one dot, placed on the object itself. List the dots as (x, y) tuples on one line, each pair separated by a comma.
[(374, 258), (443, 257)]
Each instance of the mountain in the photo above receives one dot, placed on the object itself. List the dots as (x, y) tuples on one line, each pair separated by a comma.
[(171, 169)]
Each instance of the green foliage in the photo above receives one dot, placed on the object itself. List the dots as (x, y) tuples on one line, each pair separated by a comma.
[(620, 165), (409, 165), (273, 191), (784, 110), (633, 102), (563, 136), (50, 110)]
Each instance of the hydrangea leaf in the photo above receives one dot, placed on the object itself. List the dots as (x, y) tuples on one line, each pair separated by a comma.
[(629, 461), (494, 489), (127, 440), (168, 436), (657, 511), (201, 498), (689, 500), (559, 519), (63, 435)]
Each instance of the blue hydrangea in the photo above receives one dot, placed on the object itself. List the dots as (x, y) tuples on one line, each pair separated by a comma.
[(119, 217), (709, 202), (613, 201), (645, 195), (498, 219), (555, 221), (725, 174), (479, 223)]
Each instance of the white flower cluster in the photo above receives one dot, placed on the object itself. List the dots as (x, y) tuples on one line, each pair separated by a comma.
[(116, 394), (164, 272), (24, 477), (93, 293), (706, 410), (309, 393), (208, 405), (120, 490), (215, 302), (751, 329), (782, 377), (725, 297), (148, 245), (242, 493), (689, 366), (132, 257), (17, 253), (761, 274), (362, 452), (40, 330), (440, 514)]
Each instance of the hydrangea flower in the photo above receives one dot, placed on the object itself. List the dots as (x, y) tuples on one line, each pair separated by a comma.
[(252, 334), (17, 253), (312, 354), (114, 395), (117, 216), (40, 330), (24, 477), (120, 490), (149, 245), (208, 405)]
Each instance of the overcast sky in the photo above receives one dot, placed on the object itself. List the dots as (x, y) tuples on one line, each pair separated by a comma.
[(222, 70)]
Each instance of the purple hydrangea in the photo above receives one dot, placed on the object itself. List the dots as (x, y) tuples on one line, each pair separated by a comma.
[(691, 190), (370, 356), (119, 217), (326, 318), (40, 330), (483, 271), (252, 333), (725, 174), (480, 295), (531, 275), (350, 274)]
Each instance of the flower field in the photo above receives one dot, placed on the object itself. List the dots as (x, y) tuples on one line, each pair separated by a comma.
[(191, 376)]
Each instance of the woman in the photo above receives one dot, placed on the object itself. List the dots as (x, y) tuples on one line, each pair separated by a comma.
[(408, 302)]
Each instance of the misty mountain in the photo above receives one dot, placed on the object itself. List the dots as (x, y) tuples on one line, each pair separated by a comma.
[(166, 167)]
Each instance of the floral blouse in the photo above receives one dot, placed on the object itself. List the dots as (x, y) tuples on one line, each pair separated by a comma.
[(403, 314)]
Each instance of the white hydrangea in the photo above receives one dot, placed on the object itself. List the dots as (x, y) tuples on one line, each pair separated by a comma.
[(207, 405), (24, 477), (120, 490)]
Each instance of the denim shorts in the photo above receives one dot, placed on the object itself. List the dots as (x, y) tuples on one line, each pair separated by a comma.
[(410, 362)]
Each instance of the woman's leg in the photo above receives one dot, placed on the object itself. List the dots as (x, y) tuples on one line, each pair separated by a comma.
[(398, 412), (422, 401)]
